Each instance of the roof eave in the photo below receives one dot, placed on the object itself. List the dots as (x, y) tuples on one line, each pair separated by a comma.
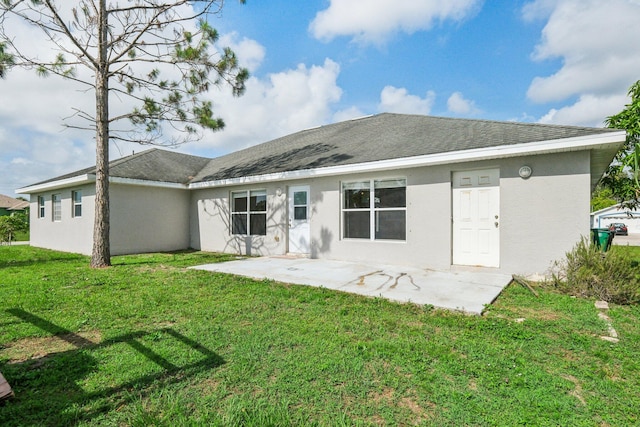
[(147, 183), (90, 178), (607, 141), (617, 206), (603, 142), (55, 185)]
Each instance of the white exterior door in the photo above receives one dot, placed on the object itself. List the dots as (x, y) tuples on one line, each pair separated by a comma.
[(476, 218), (299, 229)]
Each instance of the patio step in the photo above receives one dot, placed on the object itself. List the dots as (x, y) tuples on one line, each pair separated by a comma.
[(293, 255)]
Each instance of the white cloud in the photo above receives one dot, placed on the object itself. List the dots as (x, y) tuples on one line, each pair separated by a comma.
[(458, 104), (250, 53), (524, 118), (347, 114), (30, 156), (589, 110), (279, 104), (597, 42), (538, 9), (398, 100), (373, 21), (20, 161), (34, 102)]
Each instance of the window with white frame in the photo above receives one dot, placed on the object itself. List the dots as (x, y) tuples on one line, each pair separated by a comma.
[(249, 212), (56, 200), (40, 207), (76, 203), (374, 209)]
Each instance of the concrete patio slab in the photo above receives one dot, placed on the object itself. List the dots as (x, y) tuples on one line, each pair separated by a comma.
[(466, 291)]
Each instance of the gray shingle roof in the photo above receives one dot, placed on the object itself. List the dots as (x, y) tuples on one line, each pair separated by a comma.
[(150, 165), (380, 137), (9, 202), (159, 165)]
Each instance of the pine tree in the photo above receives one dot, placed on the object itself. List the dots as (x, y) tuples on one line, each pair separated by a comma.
[(161, 55)]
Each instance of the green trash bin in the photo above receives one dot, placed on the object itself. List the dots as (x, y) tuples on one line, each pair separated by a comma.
[(602, 238)]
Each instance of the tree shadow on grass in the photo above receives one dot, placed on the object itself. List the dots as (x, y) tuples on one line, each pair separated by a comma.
[(67, 387), (174, 259), (40, 261)]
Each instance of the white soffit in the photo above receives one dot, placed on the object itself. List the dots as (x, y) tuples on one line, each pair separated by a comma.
[(146, 183), (89, 178), (55, 185)]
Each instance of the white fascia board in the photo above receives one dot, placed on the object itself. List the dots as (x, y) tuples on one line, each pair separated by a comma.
[(145, 183), (55, 185), (608, 208), (627, 213), (504, 151), (90, 178)]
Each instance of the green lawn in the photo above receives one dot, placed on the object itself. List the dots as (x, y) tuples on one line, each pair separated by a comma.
[(633, 251), (148, 342), (22, 236)]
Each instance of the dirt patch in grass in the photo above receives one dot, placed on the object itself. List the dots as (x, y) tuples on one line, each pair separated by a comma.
[(613, 373), (577, 391), (207, 385), (388, 397), (540, 313), (421, 412), (158, 267), (39, 347), (385, 395)]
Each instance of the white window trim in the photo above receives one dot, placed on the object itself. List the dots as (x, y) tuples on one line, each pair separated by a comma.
[(55, 202), (246, 212), (372, 209), (41, 207), (74, 203)]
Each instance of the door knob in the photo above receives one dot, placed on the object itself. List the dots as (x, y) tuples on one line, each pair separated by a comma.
[(496, 224)]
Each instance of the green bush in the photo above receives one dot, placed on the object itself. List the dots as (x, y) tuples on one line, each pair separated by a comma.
[(587, 272), (12, 225)]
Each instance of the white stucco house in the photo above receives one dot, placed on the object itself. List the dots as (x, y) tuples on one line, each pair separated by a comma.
[(604, 217), (399, 189)]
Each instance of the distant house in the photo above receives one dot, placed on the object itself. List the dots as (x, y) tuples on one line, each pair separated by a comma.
[(8, 205), (604, 217), (401, 189)]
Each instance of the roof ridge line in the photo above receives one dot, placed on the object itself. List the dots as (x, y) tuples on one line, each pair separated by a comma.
[(128, 157), (502, 122)]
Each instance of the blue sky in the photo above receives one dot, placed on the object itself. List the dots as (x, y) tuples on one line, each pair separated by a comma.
[(485, 54), (315, 62)]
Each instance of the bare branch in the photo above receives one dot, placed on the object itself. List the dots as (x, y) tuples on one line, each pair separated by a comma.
[(64, 29)]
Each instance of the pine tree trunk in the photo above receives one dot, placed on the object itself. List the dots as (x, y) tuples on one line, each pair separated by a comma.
[(101, 254)]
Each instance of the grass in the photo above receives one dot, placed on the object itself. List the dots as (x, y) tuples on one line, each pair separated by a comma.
[(632, 251), (149, 342), (22, 236)]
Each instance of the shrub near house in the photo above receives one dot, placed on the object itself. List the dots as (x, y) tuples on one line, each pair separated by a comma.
[(588, 273), (13, 225)]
